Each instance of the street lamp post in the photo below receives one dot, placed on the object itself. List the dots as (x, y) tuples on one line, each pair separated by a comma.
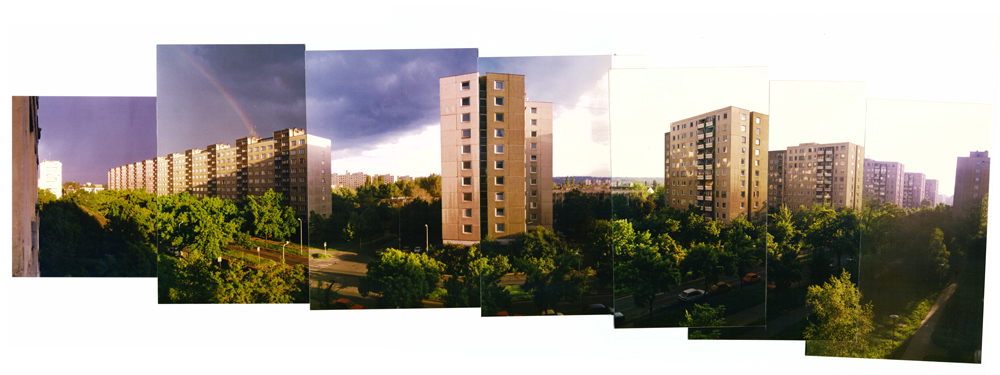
[(283, 251), (258, 254), (427, 237), (301, 248), (894, 326), (324, 248)]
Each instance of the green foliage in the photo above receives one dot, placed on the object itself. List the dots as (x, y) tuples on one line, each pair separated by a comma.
[(495, 297), (839, 319), (198, 279), (269, 217), (939, 254), (402, 279), (646, 273), (704, 315), (552, 280), (209, 224), (702, 261), (45, 196)]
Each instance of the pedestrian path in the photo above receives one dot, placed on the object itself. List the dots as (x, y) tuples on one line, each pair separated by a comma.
[(920, 344)]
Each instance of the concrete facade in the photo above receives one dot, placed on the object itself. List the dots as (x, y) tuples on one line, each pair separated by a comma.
[(496, 158), (931, 191), (291, 162), (24, 189), (814, 173), (972, 180), (913, 189), (50, 176), (717, 162), (884, 182)]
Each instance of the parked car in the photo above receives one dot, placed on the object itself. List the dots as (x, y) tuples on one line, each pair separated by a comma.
[(721, 287), (416, 250), (345, 303), (751, 278), (691, 294)]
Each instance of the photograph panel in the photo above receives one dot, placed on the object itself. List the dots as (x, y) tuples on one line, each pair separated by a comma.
[(70, 221), (539, 183), (233, 169), (382, 244), (690, 247)]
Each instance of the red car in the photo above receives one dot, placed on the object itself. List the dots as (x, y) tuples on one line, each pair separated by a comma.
[(721, 287), (751, 278), (345, 303)]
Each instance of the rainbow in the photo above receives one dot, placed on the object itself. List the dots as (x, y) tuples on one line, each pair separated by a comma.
[(222, 90)]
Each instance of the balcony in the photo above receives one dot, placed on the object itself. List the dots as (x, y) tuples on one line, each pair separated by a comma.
[(707, 166), (701, 187), (701, 137), (701, 146), (701, 156), (709, 144), (709, 134), (701, 167), (708, 208), (701, 177), (707, 198), (701, 126)]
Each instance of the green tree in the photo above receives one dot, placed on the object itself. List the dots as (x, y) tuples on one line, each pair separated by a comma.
[(939, 254), (704, 315), (551, 281), (45, 196), (209, 224), (495, 297), (271, 219), (402, 279), (840, 324), (647, 273), (702, 261)]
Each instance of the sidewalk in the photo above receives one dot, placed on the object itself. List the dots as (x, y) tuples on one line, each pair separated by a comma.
[(920, 343)]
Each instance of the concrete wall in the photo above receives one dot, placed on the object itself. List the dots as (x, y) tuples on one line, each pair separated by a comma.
[(24, 261)]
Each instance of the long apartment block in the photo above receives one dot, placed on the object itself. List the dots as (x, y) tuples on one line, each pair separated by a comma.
[(291, 162), (913, 189), (814, 173), (972, 180), (496, 158), (716, 162)]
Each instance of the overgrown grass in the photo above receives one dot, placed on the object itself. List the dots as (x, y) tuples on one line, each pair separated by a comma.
[(251, 259), (438, 294), (516, 293), (321, 256), (289, 249)]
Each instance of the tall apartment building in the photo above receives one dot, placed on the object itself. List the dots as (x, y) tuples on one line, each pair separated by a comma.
[(884, 182), (972, 180), (24, 187), (913, 189), (931, 191), (717, 162), (814, 173), (50, 176), (290, 162), (496, 158)]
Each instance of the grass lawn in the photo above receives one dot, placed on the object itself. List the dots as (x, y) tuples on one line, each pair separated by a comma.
[(516, 293)]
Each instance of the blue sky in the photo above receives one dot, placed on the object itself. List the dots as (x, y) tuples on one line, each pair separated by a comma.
[(91, 135), (211, 94)]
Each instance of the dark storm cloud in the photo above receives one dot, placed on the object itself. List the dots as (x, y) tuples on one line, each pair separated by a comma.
[(557, 79), (212, 93), (360, 99), (91, 135)]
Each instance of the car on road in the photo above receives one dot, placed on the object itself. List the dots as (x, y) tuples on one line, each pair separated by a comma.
[(600, 309), (416, 250), (721, 287), (751, 278), (691, 294), (345, 303)]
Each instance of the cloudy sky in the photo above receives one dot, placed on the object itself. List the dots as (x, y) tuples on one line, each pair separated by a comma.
[(91, 135), (381, 108), (211, 94), (577, 87)]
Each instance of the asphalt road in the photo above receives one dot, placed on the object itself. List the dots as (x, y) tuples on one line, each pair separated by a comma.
[(668, 300), (274, 255)]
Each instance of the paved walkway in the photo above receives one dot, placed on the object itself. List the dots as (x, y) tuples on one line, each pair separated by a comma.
[(920, 344)]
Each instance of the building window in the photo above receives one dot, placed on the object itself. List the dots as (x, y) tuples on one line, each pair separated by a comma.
[(467, 149), (467, 164), (499, 212), (498, 100), (498, 164), (498, 149), (534, 134), (467, 212), (467, 197), (466, 117), (467, 228), (534, 122), (498, 85), (499, 197), (466, 101), (498, 133), (465, 85), (756, 142), (466, 181), (757, 152), (743, 117), (534, 169), (534, 146), (466, 133), (499, 180), (534, 193), (534, 204), (501, 227), (534, 181), (533, 216), (534, 110), (757, 120), (499, 117)]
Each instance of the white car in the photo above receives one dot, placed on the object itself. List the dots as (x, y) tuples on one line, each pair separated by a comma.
[(691, 294), (416, 250)]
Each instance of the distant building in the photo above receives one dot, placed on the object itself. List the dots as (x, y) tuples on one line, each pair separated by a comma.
[(290, 162), (931, 192), (496, 158), (717, 163), (24, 179), (349, 180), (913, 189), (972, 180), (386, 178), (884, 182), (404, 178), (813, 173), (50, 176), (92, 188)]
